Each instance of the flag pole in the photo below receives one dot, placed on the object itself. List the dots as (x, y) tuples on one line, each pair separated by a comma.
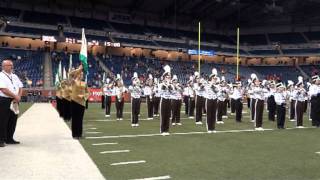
[(238, 44), (199, 41)]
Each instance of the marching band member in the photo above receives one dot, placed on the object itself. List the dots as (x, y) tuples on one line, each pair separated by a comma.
[(103, 103), (156, 97), (252, 96), (191, 101), (147, 91), (176, 100), (292, 100), (119, 91), (186, 99), (223, 91), (165, 103), (79, 95), (271, 104), (280, 97), (136, 92), (200, 92), (314, 93), (248, 95), (66, 94), (108, 90), (211, 101), (259, 94), (236, 96), (299, 94), (226, 100)]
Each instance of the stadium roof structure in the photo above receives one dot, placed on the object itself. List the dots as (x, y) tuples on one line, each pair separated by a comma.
[(218, 13)]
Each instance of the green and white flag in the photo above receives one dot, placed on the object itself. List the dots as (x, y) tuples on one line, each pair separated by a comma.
[(64, 73), (60, 71), (57, 80), (70, 62), (83, 53)]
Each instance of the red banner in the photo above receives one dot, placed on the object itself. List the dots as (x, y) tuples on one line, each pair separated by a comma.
[(96, 93)]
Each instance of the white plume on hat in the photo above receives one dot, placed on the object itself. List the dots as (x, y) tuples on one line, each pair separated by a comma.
[(308, 84), (135, 75), (300, 81), (175, 77), (107, 80), (223, 79), (167, 69), (155, 80), (191, 78), (196, 74), (118, 76), (290, 83), (253, 76), (214, 71), (264, 82), (150, 76), (249, 81)]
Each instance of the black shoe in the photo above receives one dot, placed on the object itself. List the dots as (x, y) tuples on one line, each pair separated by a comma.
[(12, 142), (2, 144)]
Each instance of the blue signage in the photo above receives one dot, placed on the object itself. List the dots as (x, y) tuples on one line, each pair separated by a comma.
[(202, 52)]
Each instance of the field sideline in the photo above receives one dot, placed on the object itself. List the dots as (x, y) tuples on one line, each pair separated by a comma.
[(272, 154)]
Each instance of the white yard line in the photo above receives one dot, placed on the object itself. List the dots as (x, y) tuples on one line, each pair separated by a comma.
[(93, 132), (318, 152), (111, 152), (101, 144), (186, 133), (155, 178), (128, 162)]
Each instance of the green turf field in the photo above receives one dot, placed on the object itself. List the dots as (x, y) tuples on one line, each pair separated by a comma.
[(275, 154)]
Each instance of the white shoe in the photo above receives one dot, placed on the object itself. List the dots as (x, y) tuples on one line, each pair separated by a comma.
[(252, 121), (137, 125), (232, 114), (310, 119), (292, 120), (225, 117), (259, 129), (150, 118), (300, 127), (121, 119), (179, 124), (191, 117), (210, 132), (199, 123), (133, 125), (107, 115), (173, 124), (118, 119), (221, 122), (165, 134)]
